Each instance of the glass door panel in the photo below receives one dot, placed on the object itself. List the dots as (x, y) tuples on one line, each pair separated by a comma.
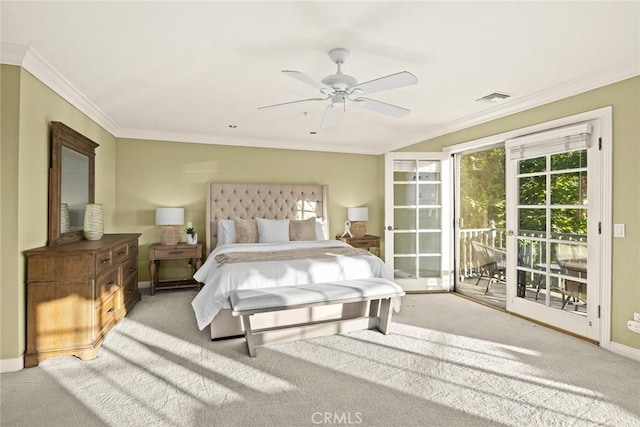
[(416, 237), (551, 228)]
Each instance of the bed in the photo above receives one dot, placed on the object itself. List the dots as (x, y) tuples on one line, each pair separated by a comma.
[(231, 211)]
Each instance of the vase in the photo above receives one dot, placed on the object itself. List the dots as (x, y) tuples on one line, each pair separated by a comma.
[(192, 239), (93, 222)]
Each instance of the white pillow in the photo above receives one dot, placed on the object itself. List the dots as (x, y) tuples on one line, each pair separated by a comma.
[(321, 226), (273, 230), (226, 232)]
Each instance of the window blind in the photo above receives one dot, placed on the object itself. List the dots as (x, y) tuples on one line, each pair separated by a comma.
[(568, 138)]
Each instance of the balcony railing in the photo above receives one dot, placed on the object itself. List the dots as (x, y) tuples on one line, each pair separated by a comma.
[(531, 252)]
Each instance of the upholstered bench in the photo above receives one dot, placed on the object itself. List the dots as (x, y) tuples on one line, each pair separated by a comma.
[(248, 302)]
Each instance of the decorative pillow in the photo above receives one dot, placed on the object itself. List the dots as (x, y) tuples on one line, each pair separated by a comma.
[(273, 230), (321, 226), (246, 230), (302, 230), (226, 232)]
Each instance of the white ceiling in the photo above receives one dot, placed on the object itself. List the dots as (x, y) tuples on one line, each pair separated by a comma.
[(185, 71)]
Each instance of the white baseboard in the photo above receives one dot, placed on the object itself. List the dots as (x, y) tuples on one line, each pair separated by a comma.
[(11, 365), (623, 350)]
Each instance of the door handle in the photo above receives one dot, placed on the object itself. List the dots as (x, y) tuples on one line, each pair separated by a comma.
[(510, 233), (390, 228)]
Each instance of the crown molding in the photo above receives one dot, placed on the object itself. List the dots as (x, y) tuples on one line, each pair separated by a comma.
[(200, 138), (621, 71), (29, 59), (12, 54)]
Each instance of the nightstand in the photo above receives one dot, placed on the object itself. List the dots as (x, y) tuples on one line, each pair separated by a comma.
[(368, 242), (158, 252)]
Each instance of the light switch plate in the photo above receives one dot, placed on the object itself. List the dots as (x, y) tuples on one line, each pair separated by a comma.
[(618, 230)]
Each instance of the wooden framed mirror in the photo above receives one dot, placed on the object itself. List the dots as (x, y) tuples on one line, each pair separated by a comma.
[(71, 183)]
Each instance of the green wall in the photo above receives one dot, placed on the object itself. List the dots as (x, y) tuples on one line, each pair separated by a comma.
[(28, 106), (158, 173), (133, 177), (625, 99), (10, 295)]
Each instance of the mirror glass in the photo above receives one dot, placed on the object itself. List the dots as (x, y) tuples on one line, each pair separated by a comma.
[(74, 191)]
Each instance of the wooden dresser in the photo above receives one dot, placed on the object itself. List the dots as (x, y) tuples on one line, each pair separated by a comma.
[(76, 293)]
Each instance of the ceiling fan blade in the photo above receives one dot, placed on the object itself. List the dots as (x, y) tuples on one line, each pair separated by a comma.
[(401, 79), (286, 104), (381, 107), (331, 115), (308, 80)]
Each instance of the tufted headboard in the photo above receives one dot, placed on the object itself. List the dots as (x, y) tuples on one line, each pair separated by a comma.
[(271, 201)]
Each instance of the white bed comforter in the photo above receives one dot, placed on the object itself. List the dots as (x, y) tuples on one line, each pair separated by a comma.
[(219, 281)]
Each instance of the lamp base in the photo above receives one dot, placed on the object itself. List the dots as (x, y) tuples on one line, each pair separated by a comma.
[(358, 228), (169, 236)]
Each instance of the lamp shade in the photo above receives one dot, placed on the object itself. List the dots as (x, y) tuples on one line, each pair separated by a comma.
[(358, 214), (169, 216)]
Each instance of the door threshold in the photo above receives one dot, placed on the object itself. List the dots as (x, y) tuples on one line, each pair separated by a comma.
[(555, 328), (537, 322), (427, 291), (486, 304)]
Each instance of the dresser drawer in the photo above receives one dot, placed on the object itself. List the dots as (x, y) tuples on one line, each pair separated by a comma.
[(104, 260), (107, 283), (120, 253), (129, 269), (132, 247), (108, 312), (130, 293)]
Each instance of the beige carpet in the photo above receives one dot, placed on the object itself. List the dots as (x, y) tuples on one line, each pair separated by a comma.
[(448, 362)]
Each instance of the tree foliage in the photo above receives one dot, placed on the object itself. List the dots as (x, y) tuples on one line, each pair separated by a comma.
[(482, 188), (482, 191)]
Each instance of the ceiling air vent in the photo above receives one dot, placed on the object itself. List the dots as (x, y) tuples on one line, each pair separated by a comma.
[(494, 97)]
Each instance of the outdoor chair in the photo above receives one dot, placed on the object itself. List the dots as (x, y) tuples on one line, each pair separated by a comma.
[(490, 262), (574, 290)]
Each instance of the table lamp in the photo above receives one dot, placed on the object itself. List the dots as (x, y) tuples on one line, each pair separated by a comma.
[(168, 217), (357, 216)]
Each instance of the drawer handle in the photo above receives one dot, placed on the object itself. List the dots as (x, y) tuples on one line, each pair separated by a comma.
[(110, 283), (105, 261), (129, 291), (133, 247), (122, 253), (111, 310), (132, 269), (175, 252)]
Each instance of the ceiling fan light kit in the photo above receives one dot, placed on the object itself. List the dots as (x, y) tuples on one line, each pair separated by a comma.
[(340, 88)]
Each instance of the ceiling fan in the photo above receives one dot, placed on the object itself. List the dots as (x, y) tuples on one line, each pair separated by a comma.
[(341, 88)]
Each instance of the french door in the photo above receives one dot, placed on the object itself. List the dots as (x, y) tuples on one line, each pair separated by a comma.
[(553, 227), (418, 225)]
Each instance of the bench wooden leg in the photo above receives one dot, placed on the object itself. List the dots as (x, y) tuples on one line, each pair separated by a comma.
[(248, 335), (385, 316), (374, 307)]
